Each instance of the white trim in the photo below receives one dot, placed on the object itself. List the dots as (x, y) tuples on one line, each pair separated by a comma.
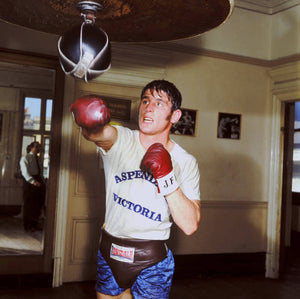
[(266, 6), (62, 194), (233, 204), (274, 195), (286, 87)]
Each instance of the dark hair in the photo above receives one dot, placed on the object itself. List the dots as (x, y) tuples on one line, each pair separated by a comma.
[(169, 88), (30, 146)]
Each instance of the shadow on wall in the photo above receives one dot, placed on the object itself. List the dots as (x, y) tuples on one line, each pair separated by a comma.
[(86, 199), (233, 210), (228, 176)]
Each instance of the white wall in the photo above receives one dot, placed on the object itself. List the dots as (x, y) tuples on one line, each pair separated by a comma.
[(286, 33), (20, 38), (232, 169), (245, 33)]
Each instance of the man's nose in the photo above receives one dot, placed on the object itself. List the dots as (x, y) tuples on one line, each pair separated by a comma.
[(149, 106)]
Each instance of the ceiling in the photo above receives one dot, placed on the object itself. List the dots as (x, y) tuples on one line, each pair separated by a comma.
[(135, 20), (266, 6), (123, 20)]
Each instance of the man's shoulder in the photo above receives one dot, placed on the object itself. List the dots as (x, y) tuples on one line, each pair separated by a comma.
[(124, 131), (180, 154), (28, 156), (179, 150)]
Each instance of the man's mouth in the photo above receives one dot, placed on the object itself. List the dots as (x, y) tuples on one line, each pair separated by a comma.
[(148, 119)]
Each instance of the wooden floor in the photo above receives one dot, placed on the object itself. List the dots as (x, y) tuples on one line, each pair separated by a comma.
[(212, 287), (14, 240), (246, 287), (208, 287)]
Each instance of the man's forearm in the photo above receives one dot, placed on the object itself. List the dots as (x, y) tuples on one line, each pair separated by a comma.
[(185, 212)]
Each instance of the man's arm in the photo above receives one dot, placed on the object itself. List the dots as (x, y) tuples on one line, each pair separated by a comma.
[(105, 137), (92, 115), (185, 212), (25, 173)]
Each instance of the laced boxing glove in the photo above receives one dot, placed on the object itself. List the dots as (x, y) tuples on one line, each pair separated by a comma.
[(90, 112), (157, 161)]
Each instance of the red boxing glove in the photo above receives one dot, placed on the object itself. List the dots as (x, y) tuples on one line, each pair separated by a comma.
[(157, 161), (90, 112)]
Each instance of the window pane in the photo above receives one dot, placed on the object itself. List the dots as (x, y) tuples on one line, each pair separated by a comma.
[(46, 163), (25, 142), (48, 114), (28, 140), (297, 115), (32, 113), (296, 163)]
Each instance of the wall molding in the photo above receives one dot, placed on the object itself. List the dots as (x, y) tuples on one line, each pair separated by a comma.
[(135, 65), (174, 47), (78, 222), (216, 204), (266, 7)]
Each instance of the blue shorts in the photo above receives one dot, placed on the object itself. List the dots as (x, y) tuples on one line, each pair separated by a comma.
[(153, 282)]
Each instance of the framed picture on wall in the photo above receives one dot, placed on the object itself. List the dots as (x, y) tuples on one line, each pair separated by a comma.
[(187, 123), (229, 125), (119, 108)]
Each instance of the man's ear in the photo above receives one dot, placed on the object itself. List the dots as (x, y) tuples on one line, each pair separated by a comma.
[(175, 116)]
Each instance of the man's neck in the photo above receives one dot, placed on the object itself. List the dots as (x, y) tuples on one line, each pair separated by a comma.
[(147, 140)]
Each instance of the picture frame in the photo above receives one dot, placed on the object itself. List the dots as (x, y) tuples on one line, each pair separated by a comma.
[(186, 124), (119, 108), (229, 126)]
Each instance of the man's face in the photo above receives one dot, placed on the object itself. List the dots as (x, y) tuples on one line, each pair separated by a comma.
[(155, 112), (36, 148)]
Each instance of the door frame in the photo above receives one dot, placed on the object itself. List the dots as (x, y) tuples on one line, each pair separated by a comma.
[(33, 264), (287, 172), (285, 81)]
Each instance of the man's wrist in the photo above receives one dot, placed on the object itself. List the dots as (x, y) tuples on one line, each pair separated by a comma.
[(167, 184), (31, 181)]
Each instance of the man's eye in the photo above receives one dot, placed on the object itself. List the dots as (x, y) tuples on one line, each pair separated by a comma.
[(145, 102), (159, 104)]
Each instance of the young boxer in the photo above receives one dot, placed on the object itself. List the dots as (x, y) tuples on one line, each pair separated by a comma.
[(150, 182)]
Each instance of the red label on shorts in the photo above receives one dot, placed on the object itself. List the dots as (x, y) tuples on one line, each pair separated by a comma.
[(121, 253)]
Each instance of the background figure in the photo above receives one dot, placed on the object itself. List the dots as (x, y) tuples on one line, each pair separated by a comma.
[(34, 188)]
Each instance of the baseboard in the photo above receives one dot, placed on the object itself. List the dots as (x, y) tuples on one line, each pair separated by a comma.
[(10, 210), (186, 266), (38, 280), (206, 265)]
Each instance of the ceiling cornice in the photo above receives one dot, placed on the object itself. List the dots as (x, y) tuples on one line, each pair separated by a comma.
[(269, 7)]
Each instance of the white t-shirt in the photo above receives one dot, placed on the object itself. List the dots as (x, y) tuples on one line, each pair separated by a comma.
[(134, 208), (29, 167)]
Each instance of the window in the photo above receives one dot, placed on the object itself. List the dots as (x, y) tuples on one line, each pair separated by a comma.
[(37, 127)]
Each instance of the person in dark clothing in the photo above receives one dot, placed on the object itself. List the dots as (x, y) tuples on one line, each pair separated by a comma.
[(34, 188)]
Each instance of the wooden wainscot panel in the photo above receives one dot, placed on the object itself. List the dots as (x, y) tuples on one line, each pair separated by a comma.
[(85, 239), (88, 176), (225, 227)]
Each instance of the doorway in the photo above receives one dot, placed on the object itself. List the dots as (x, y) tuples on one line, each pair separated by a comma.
[(290, 211), (28, 77)]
